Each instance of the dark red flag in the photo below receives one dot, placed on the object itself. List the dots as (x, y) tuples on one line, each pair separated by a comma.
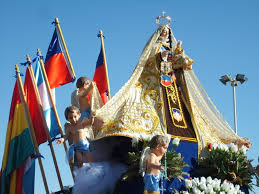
[(100, 78)]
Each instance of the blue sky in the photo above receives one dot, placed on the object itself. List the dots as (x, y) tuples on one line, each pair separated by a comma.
[(221, 36)]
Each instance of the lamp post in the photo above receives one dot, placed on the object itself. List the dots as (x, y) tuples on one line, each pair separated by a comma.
[(234, 82)]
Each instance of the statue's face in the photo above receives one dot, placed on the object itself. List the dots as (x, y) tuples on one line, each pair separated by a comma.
[(165, 33)]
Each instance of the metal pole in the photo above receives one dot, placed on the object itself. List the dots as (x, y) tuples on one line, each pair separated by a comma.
[(234, 104), (234, 82)]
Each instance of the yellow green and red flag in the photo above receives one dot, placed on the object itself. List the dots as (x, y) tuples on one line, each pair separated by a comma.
[(18, 148)]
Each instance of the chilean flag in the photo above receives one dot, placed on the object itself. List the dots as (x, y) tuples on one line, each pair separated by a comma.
[(166, 80), (100, 78), (56, 65)]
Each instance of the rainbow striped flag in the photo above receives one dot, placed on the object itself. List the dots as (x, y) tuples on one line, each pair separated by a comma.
[(18, 149)]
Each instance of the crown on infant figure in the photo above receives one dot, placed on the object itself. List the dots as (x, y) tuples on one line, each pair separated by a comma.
[(160, 19)]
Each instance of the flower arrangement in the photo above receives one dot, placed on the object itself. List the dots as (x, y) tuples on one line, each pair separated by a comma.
[(226, 162), (175, 163), (211, 186)]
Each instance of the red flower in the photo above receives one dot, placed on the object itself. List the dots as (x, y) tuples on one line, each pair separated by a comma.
[(233, 176), (209, 146), (188, 176)]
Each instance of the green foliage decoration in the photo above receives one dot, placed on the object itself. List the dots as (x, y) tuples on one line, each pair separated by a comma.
[(226, 163)]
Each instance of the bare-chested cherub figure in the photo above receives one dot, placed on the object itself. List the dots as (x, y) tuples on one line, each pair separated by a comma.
[(76, 129), (158, 147)]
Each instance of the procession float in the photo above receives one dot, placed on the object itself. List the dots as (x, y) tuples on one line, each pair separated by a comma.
[(163, 96)]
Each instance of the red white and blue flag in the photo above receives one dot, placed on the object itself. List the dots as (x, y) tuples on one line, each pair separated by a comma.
[(166, 80), (56, 65), (100, 78)]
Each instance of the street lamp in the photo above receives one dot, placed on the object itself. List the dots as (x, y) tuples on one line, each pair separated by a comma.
[(234, 82)]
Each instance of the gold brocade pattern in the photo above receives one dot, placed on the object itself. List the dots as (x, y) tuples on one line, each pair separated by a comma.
[(136, 109), (185, 138), (175, 103), (141, 113), (151, 192)]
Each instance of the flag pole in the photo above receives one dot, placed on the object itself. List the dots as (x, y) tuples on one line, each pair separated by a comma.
[(105, 64), (53, 103), (44, 121), (65, 47), (28, 118)]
